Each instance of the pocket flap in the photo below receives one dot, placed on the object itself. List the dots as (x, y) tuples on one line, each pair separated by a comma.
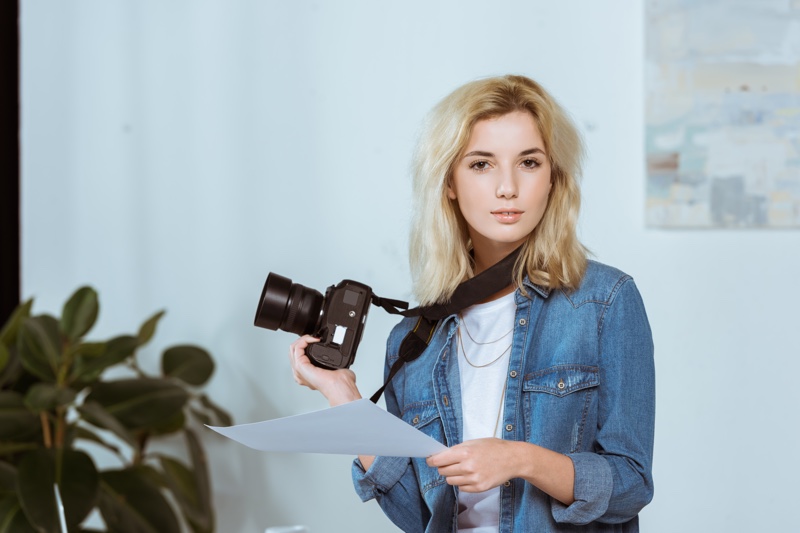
[(562, 379), (420, 413)]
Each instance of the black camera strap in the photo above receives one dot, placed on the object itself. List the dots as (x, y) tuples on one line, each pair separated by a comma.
[(470, 292)]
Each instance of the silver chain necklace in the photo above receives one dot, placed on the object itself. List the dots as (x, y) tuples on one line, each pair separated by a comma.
[(473, 365), (464, 322), (493, 361)]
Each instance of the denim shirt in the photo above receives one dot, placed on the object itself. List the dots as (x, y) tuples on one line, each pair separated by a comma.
[(580, 382)]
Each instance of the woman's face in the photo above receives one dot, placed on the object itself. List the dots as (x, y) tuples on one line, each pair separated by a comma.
[(502, 182)]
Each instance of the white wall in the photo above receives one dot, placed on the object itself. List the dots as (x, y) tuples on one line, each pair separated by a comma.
[(176, 152)]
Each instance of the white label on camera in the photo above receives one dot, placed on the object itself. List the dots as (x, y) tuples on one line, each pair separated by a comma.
[(338, 334)]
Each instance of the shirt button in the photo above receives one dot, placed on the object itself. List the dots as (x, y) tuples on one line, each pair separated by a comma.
[(561, 384), (507, 484), (522, 321), (513, 373), (416, 420), (509, 427)]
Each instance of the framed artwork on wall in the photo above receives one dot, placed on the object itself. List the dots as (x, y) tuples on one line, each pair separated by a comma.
[(723, 113)]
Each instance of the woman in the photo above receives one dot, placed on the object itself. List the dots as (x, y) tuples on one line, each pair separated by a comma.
[(544, 393)]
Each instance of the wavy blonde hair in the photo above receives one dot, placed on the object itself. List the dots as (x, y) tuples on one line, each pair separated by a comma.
[(439, 244)]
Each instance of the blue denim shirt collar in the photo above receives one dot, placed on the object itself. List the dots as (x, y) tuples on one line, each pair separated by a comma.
[(541, 290)]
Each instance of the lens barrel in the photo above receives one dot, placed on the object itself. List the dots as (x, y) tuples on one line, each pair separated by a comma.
[(288, 306)]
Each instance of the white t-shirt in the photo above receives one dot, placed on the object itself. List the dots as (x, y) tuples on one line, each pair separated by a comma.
[(487, 343)]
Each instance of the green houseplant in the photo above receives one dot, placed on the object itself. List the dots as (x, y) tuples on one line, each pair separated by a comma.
[(54, 395)]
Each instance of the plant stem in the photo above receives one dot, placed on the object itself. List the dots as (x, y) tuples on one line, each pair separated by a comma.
[(141, 444), (60, 427), (132, 364), (48, 439)]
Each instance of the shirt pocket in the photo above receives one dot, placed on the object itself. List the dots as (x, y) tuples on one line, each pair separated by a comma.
[(425, 417), (560, 403)]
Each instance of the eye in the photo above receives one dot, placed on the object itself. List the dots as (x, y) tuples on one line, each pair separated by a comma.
[(530, 163), (479, 165)]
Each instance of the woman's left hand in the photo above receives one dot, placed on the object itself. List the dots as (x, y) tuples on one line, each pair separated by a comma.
[(481, 464), (476, 465)]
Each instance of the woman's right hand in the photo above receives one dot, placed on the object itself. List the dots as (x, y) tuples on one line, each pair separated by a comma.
[(338, 386)]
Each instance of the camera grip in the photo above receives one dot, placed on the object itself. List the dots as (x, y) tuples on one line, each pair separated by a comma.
[(329, 357)]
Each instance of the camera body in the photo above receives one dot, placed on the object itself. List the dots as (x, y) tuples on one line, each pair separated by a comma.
[(341, 324), (337, 319)]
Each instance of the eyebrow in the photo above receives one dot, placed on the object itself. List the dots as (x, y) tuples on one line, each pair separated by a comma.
[(480, 153)]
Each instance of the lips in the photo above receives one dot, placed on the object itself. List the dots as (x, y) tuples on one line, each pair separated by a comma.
[(507, 216)]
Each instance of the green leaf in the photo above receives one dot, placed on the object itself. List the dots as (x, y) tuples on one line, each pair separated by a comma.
[(17, 422), (9, 448), (95, 414), (152, 474), (181, 482), (202, 417), (80, 313), (171, 425), (190, 364), (77, 482), (86, 434), (8, 477), (222, 416), (114, 352), (14, 376), (148, 329), (82, 355), (202, 479), (89, 350), (12, 518), (5, 355), (131, 502), (46, 396), (39, 345), (8, 335), (10, 367), (139, 403)]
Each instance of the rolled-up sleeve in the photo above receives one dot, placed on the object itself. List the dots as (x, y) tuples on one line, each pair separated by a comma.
[(614, 481), (382, 476), (391, 481)]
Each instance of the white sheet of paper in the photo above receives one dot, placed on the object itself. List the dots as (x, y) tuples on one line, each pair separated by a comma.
[(355, 428)]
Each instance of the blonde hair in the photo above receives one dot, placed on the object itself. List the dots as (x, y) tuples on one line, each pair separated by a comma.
[(439, 244)]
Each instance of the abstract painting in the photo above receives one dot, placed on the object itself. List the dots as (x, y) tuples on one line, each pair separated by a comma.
[(723, 113)]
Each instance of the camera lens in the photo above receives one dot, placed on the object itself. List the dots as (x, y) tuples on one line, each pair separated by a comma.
[(288, 306)]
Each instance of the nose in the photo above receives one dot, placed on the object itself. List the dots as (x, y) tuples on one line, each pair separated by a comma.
[(507, 185)]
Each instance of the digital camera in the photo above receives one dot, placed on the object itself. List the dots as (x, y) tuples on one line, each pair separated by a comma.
[(337, 319)]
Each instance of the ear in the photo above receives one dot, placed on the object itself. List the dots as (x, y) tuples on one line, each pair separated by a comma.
[(451, 192)]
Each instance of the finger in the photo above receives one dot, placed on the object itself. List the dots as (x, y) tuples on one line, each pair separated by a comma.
[(449, 456), (451, 473), (298, 349), (458, 481), (439, 459), (470, 488), (305, 340)]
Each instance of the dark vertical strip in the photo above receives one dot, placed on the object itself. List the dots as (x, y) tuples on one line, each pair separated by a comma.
[(9, 159)]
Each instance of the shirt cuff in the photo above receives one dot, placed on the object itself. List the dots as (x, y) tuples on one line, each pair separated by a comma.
[(594, 483), (382, 475)]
